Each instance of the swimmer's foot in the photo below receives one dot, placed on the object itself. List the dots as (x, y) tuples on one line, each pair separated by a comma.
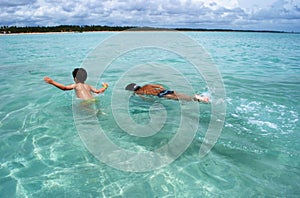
[(200, 98)]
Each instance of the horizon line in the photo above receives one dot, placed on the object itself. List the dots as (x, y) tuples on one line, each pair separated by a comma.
[(85, 28)]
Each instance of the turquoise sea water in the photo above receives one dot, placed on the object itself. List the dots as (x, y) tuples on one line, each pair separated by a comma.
[(256, 155)]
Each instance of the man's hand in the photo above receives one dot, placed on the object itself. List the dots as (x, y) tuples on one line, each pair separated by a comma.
[(105, 85), (48, 80)]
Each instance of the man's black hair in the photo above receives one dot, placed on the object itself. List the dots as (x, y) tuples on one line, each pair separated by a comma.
[(80, 74), (132, 87)]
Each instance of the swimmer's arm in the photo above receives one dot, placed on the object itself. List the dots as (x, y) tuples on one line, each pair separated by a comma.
[(58, 85), (101, 90)]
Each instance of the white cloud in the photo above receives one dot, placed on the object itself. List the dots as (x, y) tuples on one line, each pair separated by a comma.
[(287, 9), (161, 13), (255, 4)]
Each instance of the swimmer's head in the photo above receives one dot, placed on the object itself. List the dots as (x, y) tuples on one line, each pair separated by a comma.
[(132, 87), (79, 74)]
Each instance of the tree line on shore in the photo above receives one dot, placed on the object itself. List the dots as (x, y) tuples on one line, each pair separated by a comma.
[(89, 28), (61, 28)]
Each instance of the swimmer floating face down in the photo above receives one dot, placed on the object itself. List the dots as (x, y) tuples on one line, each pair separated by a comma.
[(160, 91)]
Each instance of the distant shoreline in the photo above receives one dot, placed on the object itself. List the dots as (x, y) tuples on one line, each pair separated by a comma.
[(93, 28)]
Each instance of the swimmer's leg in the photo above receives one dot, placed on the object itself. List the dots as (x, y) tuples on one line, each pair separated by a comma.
[(178, 96)]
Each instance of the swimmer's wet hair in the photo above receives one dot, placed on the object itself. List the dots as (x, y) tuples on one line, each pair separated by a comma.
[(80, 74), (132, 87)]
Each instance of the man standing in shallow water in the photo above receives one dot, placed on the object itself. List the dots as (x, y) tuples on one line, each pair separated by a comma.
[(83, 90), (160, 91)]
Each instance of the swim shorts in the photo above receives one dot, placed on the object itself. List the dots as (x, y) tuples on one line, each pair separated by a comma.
[(164, 92)]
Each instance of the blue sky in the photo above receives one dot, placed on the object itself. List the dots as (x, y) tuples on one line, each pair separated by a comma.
[(280, 15)]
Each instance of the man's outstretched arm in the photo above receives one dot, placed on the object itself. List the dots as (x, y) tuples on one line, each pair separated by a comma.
[(58, 85)]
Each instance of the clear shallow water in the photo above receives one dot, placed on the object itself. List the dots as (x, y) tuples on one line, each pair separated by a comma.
[(257, 154)]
